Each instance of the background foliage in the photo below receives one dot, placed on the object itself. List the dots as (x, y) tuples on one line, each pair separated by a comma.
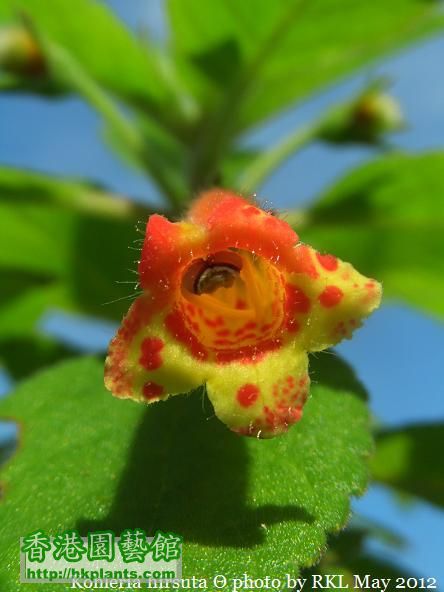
[(179, 113)]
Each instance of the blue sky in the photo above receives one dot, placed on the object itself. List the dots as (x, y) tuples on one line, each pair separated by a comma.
[(398, 354)]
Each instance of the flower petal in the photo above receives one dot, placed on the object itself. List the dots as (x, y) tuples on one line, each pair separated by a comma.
[(329, 300), (233, 301), (168, 248), (232, 221), (145, 362), (261, 399)]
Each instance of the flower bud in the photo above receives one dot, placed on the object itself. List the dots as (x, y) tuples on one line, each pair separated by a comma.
[(370, 117), (20, 53)]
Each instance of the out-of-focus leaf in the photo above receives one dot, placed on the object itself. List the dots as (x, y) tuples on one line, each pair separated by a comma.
[(35, 238), (239, 503), (347, 556), (6, 451), (376, 567), (161, 154), (39, 217), (361, 573), (370, 528), (234, 165), (25, 355), (91, 32), (24, 186), (104, 255), (14, 283), (20, 314), (88, 255), (24, 299), (387, 218), (410, 460), (71, 241), (290, 48)]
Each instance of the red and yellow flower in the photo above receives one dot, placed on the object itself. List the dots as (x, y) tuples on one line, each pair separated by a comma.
[(233, 301)]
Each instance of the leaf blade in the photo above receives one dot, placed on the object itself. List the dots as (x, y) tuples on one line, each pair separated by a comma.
[(200, 459), (407, 459), (387, 218), (316, 42)]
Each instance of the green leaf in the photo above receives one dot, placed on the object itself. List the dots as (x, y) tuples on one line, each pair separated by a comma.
[(39, 216), (23, 301), (35, 238), (241, 504), (24, 186), (23, 356), (70, 240), (380, 568), (367, 527), (104, 253), (387, 218), (409, 460), (347, 555), (290, 48), (19, 316), (363, 566)]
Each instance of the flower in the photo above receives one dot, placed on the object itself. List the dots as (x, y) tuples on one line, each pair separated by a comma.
[(232, 300)]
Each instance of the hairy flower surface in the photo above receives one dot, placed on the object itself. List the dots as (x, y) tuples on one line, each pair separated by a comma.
[(233, 301)]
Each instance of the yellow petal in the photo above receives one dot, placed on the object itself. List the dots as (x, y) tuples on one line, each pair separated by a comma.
[(261, 399)]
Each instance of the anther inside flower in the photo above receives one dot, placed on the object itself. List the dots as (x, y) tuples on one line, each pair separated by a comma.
[(233, 301)]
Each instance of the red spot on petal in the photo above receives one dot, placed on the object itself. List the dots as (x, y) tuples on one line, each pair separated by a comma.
[(175, 324), (297, 301), (222, 342), (191, 309), (218, 321), (249, 336), (292, 325), (239, 332), (247, 394), (331, 296), (328, 262), (223, 332), (150, 357), (151, 390), (241, 304)]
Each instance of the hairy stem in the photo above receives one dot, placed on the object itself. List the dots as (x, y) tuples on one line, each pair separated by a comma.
[(68, 71), (256, 173)]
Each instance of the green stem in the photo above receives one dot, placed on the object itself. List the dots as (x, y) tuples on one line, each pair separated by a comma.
[(68, 71), (255, 174), (334, 125), (221, 126)]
